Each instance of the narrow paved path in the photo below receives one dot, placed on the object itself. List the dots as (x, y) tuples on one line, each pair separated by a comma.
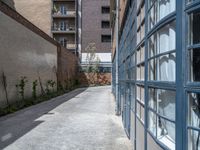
[(80, 120)]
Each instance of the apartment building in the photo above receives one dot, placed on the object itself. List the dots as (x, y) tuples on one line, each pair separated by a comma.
[(158, 56), (64, 23), (95, 28), (57, 18)]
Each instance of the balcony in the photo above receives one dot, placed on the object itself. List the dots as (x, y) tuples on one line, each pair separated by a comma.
[(64, 14), (67, 45), (63, 29), (71, 46)]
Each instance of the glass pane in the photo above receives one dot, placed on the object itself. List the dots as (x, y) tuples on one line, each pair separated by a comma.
[(142, 31), (162, 41), (193, 140), (166, 133), (167, 68), (138, 56), (142, 113), (166, 103), (167, 38), (152, 69), (142, 95), (194, 110), (138, 93), (152, 99), (138, 73), (138, 110), (152, 46), (163, 101), (159, 10), (152, 122), (133, 97), (194, 30), (142, 53), (194, 65), (142, 72), (152, 16)]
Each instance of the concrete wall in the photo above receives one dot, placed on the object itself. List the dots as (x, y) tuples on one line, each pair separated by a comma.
[(91, 24), (23, 53), (37, 12)]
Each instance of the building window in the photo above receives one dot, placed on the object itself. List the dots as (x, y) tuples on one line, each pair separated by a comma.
[(194, 39), (161, 116), (194, 30), (105, 24), (159, 9), (194, 121), (140, 63), (141, 24), (105, 10), (162, 57), (105, 38)]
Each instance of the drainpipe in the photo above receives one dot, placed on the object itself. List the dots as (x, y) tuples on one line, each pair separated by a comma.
[(117, 58)]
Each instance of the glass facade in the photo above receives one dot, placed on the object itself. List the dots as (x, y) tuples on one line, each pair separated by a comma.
[(193, 94), (159, 59)]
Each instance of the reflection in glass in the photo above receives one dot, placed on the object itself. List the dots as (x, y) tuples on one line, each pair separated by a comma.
[(166, 103), (152, 69), (193, 140), (194, 29), (133, 97), (194, 110), (166, 132), (163, 68), (162, 41), (152, 99), (160, 9), (152, 122), (163, 102), (167, 67), (194, 65)]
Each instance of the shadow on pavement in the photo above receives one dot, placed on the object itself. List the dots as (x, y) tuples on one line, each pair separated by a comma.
[(14, 126)]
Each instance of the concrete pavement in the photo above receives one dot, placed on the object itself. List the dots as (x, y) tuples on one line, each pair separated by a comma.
[(83, 119)]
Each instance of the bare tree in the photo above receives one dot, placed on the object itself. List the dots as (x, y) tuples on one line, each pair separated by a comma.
[(92, 61)]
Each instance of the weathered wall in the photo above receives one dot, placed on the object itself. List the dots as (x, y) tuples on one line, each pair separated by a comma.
[(37, 12), (23, 53), (67, 66)]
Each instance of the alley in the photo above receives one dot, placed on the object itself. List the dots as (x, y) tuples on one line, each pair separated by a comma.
[(83, 119)]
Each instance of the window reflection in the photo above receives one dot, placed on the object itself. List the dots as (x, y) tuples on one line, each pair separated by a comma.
[(193, 140), (194, 65), (194, 110), (163, 103), (160, 9), (194, 29), (194, 121)]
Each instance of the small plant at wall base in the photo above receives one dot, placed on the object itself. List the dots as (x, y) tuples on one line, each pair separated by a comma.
[(50, 84), (21, 86), (34, 89), (4, 82), (60, 87)]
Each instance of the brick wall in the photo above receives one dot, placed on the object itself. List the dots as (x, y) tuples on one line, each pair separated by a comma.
[(87, 79), (91, 24), (67, 66)]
